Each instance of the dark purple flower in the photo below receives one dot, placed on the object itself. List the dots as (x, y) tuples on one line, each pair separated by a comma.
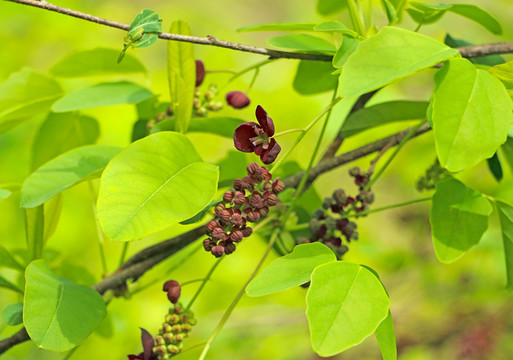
[(200, 72), (253, 137), (237, 99), (147, 343)]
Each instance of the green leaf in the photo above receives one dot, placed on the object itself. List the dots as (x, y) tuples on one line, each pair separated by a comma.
[(504, 72), (34, 231), (506, 220), (96, 62), (103, 94), (173, 184), (507, 150), (345, 304), (65, 171), (4, 194), (12, 314), (330, 7), (181, 67), (8, 261), (6, 284), (302, 42), (488, 60), (390, 11), (349, 45), (59, 314), (390, 55), (290, 270), (494, 165), (382, 114), (24, 95), (466, 104), (425, 13), (314, 77), (386, 338), (278, 27), (53, 208), (147, 20), (60, 133), (335, 27), (459, 218), (477, 15)]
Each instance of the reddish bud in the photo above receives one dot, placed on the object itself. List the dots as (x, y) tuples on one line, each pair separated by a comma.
[(252, 168), (236, 236), (237, 99), (246, 231), (271, 200), (218, 233), (239, 198), (278, 186), (173, 290), (211, 225), (207, 244), (264, 211), (200, 72), (237, 184), (218, 251), (229, 248), (228, 196)]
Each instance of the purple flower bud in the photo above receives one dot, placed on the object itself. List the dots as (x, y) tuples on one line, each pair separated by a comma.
[(218, 233), (264, 211), (252, 216), (247, 183), (237, 219), (239, 198), (228, 196), (270, 199), (218, 251), (252, 168), (246, 231), (278, 186), (236, 236), (211, 225), (237, 99), (200, 72), (207, 244), (173, 290), (219, 207), (225, 215), (256, 201), (229, 248), (237, 184)]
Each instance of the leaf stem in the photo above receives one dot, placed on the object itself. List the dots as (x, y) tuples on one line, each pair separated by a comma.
[(355, 18), (284, 132), (209, 274), (255, 75), (237, 298), (101, 240), (243, 71), (393, 206), (123, 253)]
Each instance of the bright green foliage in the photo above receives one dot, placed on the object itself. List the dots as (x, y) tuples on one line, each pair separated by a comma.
[(60, 133), (426, 14), (181, 68), (143, 31), (278, 27), (390, 55), (382, 114), (471, 113), (4, 194), (52, 214), (313, 77), (96, 62), (24, 95), (64, 171), (35, 231), (390, 11), (504, 72), (290, 270), (386, 338), (302, 42), (348, 46), (507, 150), (506, 219), (12, 314), (6, 284), (59, 314), (329, 7), (335, 27), (173, 184), (494, 165), (459, 217), (345, 304), (8, 261), (103, 94)]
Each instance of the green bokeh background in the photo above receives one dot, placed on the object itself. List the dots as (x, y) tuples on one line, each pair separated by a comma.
[(438, 309)]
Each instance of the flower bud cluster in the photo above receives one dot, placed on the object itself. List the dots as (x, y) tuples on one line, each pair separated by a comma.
[(433, 174), (330, 224), (176, 327), (247, 202), (204, 102)]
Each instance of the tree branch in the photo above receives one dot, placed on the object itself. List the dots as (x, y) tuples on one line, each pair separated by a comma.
[(467, 51)]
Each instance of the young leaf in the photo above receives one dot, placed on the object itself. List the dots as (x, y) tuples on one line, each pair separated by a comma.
[(6, 284), (478, 15), (314, 77), (12, 314), (278, 27), (390, 11), (390, 55), (488, 60), (96, 62), (60, 133), (58, 314), (382, 114), (459, 218), (345, 304), (335, 27), (386, 338), (506, 220), (35, 231), (53, 208), (471, 113), (348, 47), (425, 13), (494, 165), (143, 31), (302, 42), (181, 67), (103, 94), (330, 7), (173, 184), (65, 171), (24, 95), (8, 261), (290, 270), (504, 72)]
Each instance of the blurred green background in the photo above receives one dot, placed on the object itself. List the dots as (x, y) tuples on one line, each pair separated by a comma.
[(440, 311)]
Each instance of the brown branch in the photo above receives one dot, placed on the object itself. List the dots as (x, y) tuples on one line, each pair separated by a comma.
[(468, 51)]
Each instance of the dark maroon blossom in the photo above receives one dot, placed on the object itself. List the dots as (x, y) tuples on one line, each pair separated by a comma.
[(237, 99), (172, 287), (147, 343), (253, 137), (200, 72)]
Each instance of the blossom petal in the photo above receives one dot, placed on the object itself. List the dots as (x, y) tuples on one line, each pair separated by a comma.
[(147, 343), (242, 136), (265, 121), (271, 153)]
